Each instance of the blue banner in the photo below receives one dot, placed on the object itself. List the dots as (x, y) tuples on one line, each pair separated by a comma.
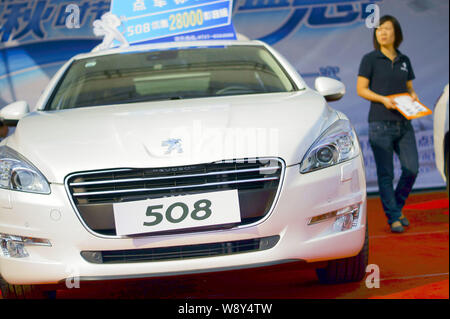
[(174, 20)]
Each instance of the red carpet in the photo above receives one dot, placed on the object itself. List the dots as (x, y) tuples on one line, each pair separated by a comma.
[(437, 290), (434, 204)]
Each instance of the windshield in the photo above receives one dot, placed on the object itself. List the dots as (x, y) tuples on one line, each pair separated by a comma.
[(170, 74)]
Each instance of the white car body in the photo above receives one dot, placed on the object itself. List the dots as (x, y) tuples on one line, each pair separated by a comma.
[(440, 129), (60, 143)]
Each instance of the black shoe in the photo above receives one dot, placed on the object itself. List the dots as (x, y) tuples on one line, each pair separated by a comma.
[(396, 227), (404, 220)]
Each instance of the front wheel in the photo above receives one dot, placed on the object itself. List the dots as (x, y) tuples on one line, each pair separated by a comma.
[(346, 269), (446, 170)]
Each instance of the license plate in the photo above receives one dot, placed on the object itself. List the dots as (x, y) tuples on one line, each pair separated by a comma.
[(177, 212)]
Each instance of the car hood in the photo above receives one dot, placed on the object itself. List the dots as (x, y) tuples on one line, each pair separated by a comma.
[(145, 135)]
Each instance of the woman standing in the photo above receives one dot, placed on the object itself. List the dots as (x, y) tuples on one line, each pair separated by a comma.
[(383, 72)]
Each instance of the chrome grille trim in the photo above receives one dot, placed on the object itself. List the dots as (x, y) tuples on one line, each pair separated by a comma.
[(174, 187), (131, 180), (281, 166)]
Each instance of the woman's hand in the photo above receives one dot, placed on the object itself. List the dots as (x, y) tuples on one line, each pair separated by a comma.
[(409, 86), (388, 102)]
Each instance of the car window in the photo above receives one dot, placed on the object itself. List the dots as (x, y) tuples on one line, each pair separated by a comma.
[(170, 74)]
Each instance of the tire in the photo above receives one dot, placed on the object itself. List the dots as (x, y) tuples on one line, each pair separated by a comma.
[(446, 170), (348, 269), (24, 291)]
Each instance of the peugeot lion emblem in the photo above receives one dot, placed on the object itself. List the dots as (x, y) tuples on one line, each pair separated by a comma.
[(172, 144)]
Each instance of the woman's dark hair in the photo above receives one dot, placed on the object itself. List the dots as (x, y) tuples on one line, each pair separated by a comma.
[(397, 32)]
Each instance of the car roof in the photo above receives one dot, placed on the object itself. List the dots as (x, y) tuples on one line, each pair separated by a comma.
[(168, 45)]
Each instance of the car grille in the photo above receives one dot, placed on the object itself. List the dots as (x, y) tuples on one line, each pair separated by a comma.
[(94, 193), (180, 252)]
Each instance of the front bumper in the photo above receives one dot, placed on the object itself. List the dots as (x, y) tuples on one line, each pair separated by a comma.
[(301, 197)]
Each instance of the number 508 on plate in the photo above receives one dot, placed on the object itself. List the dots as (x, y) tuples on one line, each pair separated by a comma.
[(178, 212)]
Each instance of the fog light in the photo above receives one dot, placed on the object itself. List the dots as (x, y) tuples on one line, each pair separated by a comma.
[(13, 249), (343, 222), (347, 218), (14, 246)]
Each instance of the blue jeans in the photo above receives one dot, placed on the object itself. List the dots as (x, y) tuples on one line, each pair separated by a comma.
[(387, 137)]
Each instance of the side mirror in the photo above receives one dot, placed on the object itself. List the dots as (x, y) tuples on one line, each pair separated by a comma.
[(331, 89), (12, 113)]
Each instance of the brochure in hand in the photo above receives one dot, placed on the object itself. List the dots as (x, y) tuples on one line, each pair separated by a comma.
[(409, 108)]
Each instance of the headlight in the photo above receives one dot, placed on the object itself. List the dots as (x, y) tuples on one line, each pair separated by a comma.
[(336, 145), (17, 173)]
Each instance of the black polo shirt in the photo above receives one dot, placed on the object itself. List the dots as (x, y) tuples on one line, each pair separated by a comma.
[(386, 78)]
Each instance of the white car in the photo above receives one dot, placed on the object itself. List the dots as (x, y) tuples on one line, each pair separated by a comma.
[(179, 158), (441, 137)]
